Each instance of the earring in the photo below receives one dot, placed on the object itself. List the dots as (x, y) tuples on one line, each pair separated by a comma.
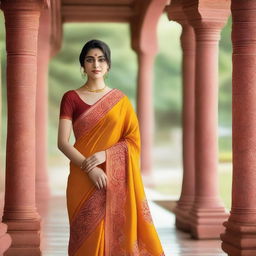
[(83, 74), (106, 76)]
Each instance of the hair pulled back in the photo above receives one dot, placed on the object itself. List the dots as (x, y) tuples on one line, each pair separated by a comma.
[(92, 44)]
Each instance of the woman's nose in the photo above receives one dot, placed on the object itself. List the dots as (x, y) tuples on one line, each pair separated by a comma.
[(96, 63)]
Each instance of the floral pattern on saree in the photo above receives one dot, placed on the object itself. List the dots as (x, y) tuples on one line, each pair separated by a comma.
[(116, 198), (146, 212), (90, 214)]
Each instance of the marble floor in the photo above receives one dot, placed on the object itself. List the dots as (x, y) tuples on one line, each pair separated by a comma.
[(175, 243)]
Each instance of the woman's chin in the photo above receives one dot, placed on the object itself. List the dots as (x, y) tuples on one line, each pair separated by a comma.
[(96, 76)]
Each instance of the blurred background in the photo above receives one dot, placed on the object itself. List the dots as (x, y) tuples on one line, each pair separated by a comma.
[(64, 75)]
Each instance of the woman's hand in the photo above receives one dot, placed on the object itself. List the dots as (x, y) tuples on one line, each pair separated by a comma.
[(94, 160), (98, 177)]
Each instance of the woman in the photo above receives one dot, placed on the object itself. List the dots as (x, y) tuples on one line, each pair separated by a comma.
[(107, 208)]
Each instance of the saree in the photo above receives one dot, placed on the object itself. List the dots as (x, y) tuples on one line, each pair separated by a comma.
[(115, 221)]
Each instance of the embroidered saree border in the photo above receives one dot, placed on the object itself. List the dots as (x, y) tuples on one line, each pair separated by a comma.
[(91, 213), (116, 168), (96, 112)]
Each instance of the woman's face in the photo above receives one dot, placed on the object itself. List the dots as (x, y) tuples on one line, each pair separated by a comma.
[(95, 64)]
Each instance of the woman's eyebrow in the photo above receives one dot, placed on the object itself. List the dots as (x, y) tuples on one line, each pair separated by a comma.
[(94, 57)]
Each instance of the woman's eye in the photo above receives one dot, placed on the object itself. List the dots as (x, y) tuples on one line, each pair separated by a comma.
[(92, 60)]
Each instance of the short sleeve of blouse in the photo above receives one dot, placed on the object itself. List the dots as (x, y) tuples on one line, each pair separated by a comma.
[(66, 107)]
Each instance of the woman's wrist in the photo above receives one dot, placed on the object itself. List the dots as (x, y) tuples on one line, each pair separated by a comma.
[(89, 171), (81, 165), (84, 169)]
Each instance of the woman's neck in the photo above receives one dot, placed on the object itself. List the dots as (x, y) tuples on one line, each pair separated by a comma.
[(95, 84)]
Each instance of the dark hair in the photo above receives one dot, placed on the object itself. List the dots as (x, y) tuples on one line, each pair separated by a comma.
[(95, 44)]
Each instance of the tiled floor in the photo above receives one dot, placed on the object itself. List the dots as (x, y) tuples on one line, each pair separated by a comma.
[(175, 243)]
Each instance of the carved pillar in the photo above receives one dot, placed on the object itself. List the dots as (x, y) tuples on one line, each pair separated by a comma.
[(207, 213), (144, 43), (20, 214), (42, 181), (145, 107), (240, 234), (5, 239), (188, 124), (186, 200)]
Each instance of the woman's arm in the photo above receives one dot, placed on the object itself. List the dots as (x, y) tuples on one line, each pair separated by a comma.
[(96, 174), (68, 150)]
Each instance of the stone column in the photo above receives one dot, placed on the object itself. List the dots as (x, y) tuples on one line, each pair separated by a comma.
[(188, 124), (240, 234), (20, 213), (143, 28), (5, 239), (207, 213), (176, 13), (145, 108), (42, 181)]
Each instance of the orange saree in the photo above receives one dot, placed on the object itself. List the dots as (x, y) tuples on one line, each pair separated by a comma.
[(115, 221)]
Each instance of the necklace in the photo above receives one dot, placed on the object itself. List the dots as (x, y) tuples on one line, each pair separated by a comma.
[(97, 90)]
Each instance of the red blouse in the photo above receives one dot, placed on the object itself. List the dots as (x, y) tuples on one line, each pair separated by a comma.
[(72, 106)]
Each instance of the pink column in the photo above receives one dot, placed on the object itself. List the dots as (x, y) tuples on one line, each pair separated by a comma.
[(144, 42), (5, 239), (145, 107), (188, 121), (20, 214), (207, 213), (42, 181), (176, 13), (240, 234)]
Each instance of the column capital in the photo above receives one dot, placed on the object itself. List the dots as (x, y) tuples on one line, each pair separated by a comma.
[(243, 11), (244, 29), (206, 14), (19, 5), (176, 13), (143, 26)]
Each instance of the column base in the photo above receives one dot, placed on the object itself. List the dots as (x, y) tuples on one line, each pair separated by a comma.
[(182, 223), (182, 217), (206, 223), (25, 236), (23, 252), (239, 239), (5, 239)]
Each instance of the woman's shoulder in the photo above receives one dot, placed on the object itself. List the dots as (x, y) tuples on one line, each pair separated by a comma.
[(124, 97), (119, 91), (69, 97), (68, 94)]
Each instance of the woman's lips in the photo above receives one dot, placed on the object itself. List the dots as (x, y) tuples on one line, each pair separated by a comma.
[(96, 71)]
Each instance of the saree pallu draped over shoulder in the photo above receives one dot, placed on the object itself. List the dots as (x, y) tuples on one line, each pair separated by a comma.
[(115, 221)]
